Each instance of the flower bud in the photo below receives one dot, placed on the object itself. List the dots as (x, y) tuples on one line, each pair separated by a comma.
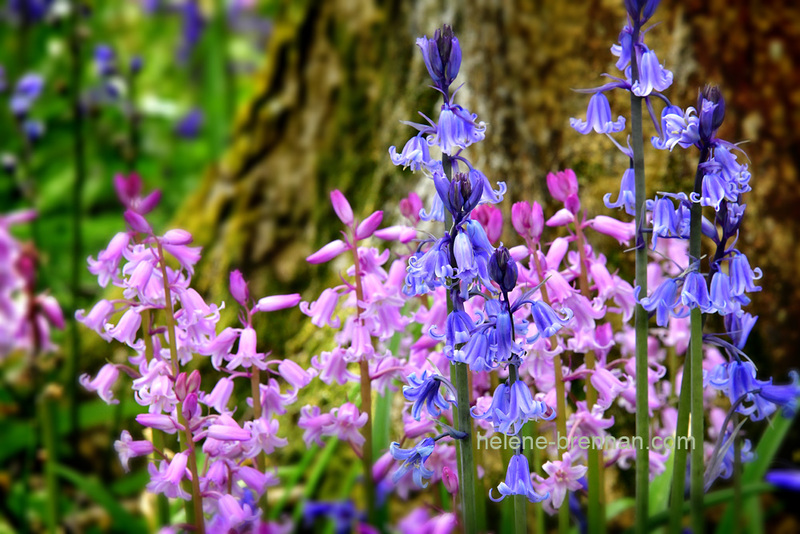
[(342, 207), (450, 480), (711, 111), (442, 56), (573, 204), (238, 288), (503, 269), (562, 184), (369, 225)]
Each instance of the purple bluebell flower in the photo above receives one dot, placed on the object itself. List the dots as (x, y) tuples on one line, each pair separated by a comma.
[(427, 270), (26, 92), (442, 56), (513, 406), (739, 328), (190, 125), (28, 11), (678, 128), (721, 298), (128, 448), (425, 391), (459, 195), (167, 477), (518, 481), (413, 460), (640, 11), (598, 117), (458, 330), (652, 75), (457, 129), (503, 269), (711, 112), (627, 194), (695, 292), (742, 275), (547, 320), (192, 26), (663, 301), (788, 479), (343, 514), (103, 383), (761, 398), (105, 60), (415, 154)]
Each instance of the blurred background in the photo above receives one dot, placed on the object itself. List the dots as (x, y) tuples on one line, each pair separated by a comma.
[(247, 113)]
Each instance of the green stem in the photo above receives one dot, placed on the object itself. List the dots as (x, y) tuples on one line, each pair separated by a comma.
[(466, 462), (51, 480), (737, 478), (195, 512), (594, 456), (697, 485), (679, 465), (261, 459), (79, 169), (520, 501), (641, 319), (536, 464)]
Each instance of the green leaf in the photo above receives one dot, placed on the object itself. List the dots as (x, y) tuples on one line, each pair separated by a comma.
[(96, 491), (660, 487)]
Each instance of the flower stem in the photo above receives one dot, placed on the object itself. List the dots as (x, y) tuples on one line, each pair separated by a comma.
[(49, 442), (366, 403), (641, 317), (561, 404), (594, 457), (261, 459), (737, 479), (520, 501), (196, 514), (679, 465), (697, 485)]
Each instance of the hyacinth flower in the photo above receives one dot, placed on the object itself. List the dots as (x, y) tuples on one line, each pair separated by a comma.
[(154, 273), (367, 310)]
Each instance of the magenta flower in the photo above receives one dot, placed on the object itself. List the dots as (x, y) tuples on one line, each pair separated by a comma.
[(314, 423), (167, 477), (127, 448), (103, 383), (278, 302), (563, 478)]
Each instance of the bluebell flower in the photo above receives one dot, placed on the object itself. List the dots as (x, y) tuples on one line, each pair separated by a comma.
[(731, 218), (518, 481), (459, 195), (189, 126), (669, 221), (458, 329), (192, 26), (788, 479), (735, 174), (623, 49), (479, 353), (503, 269), (105, 60), (720, 465), (472, 252), (598, 117), (742, 275), (547, 320), (442, 56), (425, 391), (489, 195), (513, 406), (27, 90), (714, 190), (710, 111), (29, 10), (640, 11), (761, 398), (33, 130), (428, 270), (343, 514), (414, 461), (739, 328), (652, 75), (723, 301), (663, 301), (627, 194), (695, 292), (457, 129), (416, 154)]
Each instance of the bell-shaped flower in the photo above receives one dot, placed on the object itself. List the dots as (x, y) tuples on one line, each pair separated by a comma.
[(247, 355), (598, 117), (426, 391), (739, 328), (219, 396), (328, 252), (415, 154), (128, 448), (457, 129), (518, 481), (547, 320), (263, 437), (442, 56), (167, 477), (663, 301), (627, 194), (528, 220), (491, 218), (103, 383), (313, 422), (742, 275), (332, 367), (652, 75), (562, 184), (695, 292), (414, 461)]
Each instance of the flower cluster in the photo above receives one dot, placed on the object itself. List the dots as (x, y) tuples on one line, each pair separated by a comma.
[(167, 326), (26, 317)]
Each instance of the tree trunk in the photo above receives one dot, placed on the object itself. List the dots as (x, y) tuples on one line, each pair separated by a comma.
[(341, 74)]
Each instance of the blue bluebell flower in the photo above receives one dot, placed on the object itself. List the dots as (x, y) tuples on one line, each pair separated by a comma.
[(547, 320), (343, 514), (627, 194), (761, 398), (513, 406), (29, 10), (788, 479), (723, 301), (105, 60), (458, 329), (742, 275), (413, 460), (503, 269), (459, 195), (190, 125), (479, 353), (664, 301), (739, 328), (694, 293), (192, 25), (714, 190), (457, 129), (425, 391), (518, 481), (442, 56), (428, 270), (652, 75), (710, 111), (27, 90), (489, 196), (640, 11), (735, 174), (416, 154), (598, 117)]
